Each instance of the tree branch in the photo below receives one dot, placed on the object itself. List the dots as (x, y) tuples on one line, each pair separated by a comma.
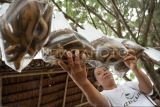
[(76, 24), (118, 23), (150, 14), (90, 14), (154, 76), (155, 29), (104, 28), (66, 16), (109, 11), (124, 21), (5, 1), (158, 70), (100, 18), (139, 29), (150, 59)]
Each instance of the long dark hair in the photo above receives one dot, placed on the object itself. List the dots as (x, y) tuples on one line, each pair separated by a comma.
[(93, 76)]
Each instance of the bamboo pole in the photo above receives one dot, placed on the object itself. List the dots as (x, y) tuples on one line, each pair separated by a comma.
[(64, 100), (81, 104), (83, 93), (35, 73), (0, 91), (40, 90), (49, 76), (82, 98)]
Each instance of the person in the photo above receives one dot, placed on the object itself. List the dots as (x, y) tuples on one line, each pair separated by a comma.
[(129, 94), (157, 101)]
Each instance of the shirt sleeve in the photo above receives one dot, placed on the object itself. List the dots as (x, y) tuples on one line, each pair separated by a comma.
[(136, 86)]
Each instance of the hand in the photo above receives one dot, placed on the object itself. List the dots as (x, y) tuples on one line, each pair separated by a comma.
[(131, 60), (75, 70)]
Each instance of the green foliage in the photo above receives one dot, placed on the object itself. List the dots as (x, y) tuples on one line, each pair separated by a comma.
[(156, 66), (132, 76), (139, 66)]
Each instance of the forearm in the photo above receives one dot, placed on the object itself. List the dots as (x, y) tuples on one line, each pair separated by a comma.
[(93, 95), (144, 82)]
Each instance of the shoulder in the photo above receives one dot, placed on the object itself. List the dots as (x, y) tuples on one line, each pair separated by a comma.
[(132, 84), (105, 95), (135, 85), (106, 92)]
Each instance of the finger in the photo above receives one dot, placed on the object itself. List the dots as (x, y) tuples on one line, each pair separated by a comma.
[(132, 52), (131, 57), (129, 61), (77, 62), (64, 66), (127, 47), (83, 61), (70, 60)]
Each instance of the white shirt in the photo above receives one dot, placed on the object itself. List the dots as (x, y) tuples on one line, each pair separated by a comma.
[(124, 95)]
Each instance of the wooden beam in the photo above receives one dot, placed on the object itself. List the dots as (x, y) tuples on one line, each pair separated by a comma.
[(0, 91), (31, 74), (64, 99), (81, 104), (35, 73), (40, 90)]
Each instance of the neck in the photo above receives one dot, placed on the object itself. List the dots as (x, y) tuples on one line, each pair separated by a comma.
[(110, 86)]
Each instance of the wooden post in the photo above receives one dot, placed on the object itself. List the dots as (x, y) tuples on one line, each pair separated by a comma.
[(64, 100), (40, 90)]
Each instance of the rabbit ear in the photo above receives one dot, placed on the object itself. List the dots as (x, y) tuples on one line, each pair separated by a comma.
[(155, 54)]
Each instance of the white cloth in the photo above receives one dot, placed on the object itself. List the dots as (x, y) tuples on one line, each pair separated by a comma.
[(124, 95)]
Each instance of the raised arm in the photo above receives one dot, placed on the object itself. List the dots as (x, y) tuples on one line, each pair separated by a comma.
[(78, 73), (145, 85)]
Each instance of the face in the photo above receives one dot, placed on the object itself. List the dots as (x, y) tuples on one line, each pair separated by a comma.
[(103, 76)]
